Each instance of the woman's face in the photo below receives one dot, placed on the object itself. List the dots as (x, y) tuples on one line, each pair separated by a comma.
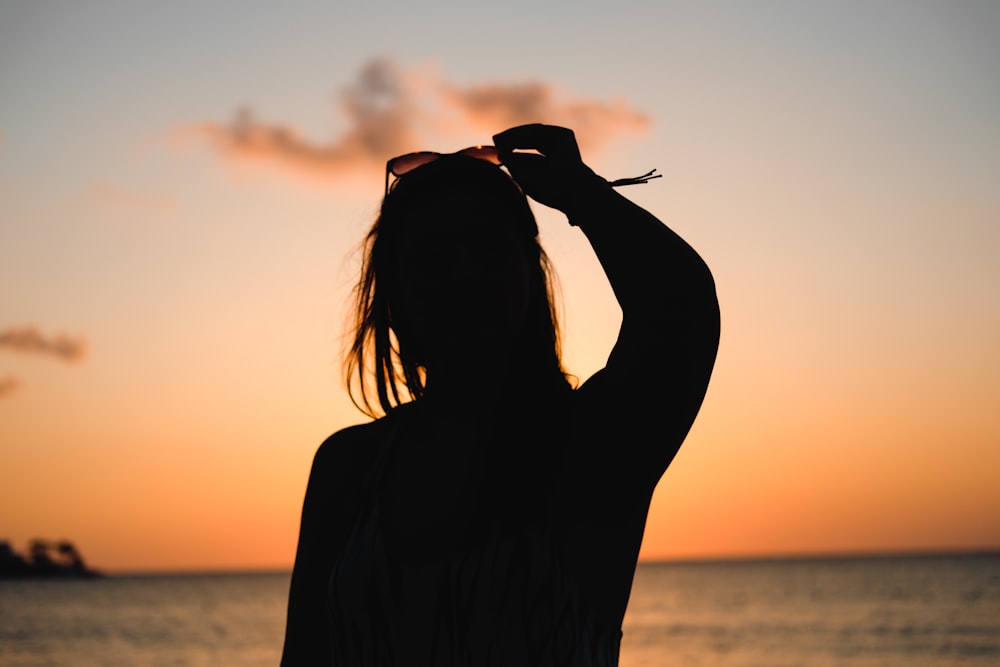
[(461, 284)]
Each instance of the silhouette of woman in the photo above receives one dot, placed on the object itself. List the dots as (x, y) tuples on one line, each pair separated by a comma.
[(494, 515)]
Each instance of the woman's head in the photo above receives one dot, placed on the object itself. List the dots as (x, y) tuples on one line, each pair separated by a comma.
[(453, 282)]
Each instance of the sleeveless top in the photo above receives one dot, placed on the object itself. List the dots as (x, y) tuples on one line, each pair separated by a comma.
[(503, 599)]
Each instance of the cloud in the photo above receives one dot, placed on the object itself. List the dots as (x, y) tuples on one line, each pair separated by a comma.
[(496, 106), (28, 340), (8, 386), (390, 110)]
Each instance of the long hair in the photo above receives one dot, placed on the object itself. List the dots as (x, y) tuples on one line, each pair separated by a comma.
[(380, 371)]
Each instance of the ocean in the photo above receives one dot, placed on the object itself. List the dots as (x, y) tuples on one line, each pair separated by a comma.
[(837, 612)]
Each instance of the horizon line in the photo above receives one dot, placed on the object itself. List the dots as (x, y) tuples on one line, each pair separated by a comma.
[(679, 560)]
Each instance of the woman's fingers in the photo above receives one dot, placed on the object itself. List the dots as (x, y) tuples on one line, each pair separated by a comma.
[(551, 141), (554, 175)]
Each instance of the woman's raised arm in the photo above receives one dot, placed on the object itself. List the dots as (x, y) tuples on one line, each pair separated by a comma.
[(646, 398), (652, 387)]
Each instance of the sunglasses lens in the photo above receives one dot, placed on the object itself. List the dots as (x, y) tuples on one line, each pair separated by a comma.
[(404, 164), (488, 153)]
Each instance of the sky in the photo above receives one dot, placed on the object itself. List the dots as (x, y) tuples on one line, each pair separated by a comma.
[(184, 185)]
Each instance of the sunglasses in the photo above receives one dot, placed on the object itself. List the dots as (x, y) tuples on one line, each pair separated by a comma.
[(404, 164)]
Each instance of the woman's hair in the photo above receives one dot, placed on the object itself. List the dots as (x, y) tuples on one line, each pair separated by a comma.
[(376, 355)]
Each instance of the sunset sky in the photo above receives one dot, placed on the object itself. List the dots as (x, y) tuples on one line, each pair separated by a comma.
[(183, 186)]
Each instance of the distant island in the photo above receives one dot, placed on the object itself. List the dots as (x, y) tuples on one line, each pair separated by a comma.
[(44, 560)]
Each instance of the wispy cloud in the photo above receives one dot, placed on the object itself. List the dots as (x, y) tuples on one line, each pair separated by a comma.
[(390, 110), (29, 340), (494, 107)]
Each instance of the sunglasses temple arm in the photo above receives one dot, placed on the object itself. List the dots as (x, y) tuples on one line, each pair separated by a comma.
[(635, 180)]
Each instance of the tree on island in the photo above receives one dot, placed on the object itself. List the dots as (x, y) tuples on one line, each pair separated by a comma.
[(67, 561), (71, 556)]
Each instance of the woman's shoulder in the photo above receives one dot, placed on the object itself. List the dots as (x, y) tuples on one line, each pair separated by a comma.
[(346, 441), (356, 447)]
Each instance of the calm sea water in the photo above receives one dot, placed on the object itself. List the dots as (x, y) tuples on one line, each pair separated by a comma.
[(839, 612)]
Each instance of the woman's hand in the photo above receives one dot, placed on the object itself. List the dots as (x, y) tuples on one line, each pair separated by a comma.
[(555, 174)]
